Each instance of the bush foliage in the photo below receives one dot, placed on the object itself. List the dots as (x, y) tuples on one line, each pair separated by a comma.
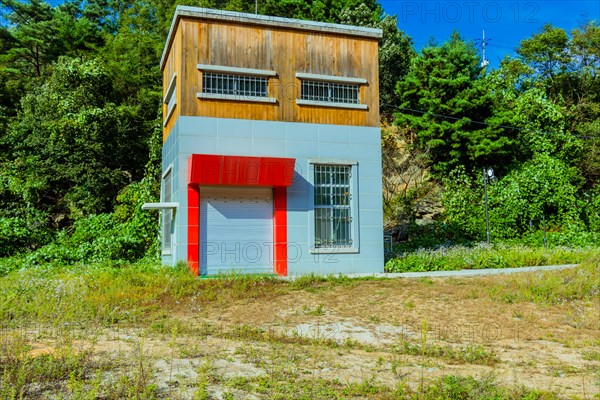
[(483, 256)]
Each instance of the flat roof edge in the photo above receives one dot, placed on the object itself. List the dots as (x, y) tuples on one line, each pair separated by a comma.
[(264, 20)]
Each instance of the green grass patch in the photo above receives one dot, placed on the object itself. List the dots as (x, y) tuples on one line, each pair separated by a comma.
[(107, 294), (485, 256), (591, 355), (551, 287), (469, 354), (450, 387), (454, 387)]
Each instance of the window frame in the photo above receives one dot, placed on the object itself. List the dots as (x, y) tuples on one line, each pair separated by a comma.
[(232, 72), (330, 82), (354, 203), (167, 196), (170, 99)]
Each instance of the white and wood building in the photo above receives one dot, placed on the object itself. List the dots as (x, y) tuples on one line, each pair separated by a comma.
[(271, 154)]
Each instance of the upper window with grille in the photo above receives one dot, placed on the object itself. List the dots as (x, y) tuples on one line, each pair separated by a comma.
[(232, 83), (237, 85), (330, 91)]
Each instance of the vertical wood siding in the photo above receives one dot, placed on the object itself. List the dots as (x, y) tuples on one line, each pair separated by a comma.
[(269, 48), (173, 66)]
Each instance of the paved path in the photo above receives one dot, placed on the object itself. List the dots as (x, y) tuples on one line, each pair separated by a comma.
[(461, 273)]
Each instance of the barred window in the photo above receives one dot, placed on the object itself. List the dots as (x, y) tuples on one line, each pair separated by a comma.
[(330, 92), (237, 85), (167, 214), (333, 217)]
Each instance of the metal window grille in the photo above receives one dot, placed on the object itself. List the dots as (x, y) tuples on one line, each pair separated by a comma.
[(238, 85), (330, 92), (333, 216), (167, 213)]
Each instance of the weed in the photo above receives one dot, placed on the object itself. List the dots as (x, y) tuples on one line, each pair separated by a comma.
[(24, 371), (374, 319), (314, 283), (485, 256), (426, 281), (80, 389), (365, 388), (205, 377), (591, 355), (551, 287), (453, 387), (317, 311), (145, 299), (470, 354)]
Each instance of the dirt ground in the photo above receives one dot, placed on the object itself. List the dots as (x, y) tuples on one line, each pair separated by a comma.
[(383, 331)]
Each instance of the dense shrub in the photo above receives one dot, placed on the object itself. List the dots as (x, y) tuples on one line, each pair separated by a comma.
[(126, 235), (431, 236), (18, 235), (544, 187), (590, 204), (463, 204)]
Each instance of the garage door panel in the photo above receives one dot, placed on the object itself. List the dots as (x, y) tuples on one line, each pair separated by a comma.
[(236, 230)]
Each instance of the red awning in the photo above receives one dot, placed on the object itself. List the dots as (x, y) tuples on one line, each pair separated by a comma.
[(211, 169)]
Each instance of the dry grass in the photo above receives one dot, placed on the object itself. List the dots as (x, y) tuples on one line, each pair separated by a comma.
[(150, 332)]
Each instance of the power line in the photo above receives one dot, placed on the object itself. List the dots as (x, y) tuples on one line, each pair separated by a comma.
[(484, 123), (501, 46), (507, 41)]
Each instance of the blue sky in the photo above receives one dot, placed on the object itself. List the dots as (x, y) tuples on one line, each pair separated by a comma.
[(506, 22)]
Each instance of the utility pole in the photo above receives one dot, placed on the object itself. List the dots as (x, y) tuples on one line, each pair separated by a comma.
[(256, 7), (488, 177), (484, 62), (487, 217)]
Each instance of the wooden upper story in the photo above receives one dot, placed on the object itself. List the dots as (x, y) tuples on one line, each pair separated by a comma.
[(235, 65)]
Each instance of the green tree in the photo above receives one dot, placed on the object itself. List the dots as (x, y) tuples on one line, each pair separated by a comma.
[(30, 38), (547, 52), (72, 148), (559, 106), (316, 10), (545, 127), (585, 50), (446, 100), (395, 51), (131, 56), (37, 34)]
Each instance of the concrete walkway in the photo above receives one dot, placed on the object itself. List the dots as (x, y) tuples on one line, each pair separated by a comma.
[(458, 274)]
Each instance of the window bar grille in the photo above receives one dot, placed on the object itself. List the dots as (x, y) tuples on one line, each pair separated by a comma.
[(237, 85), (330, 92), (332, 206)]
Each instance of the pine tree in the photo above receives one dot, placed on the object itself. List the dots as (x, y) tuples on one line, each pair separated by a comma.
[(446, 101)]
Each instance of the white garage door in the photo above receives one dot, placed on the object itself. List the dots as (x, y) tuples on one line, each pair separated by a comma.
[(236, 230)]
